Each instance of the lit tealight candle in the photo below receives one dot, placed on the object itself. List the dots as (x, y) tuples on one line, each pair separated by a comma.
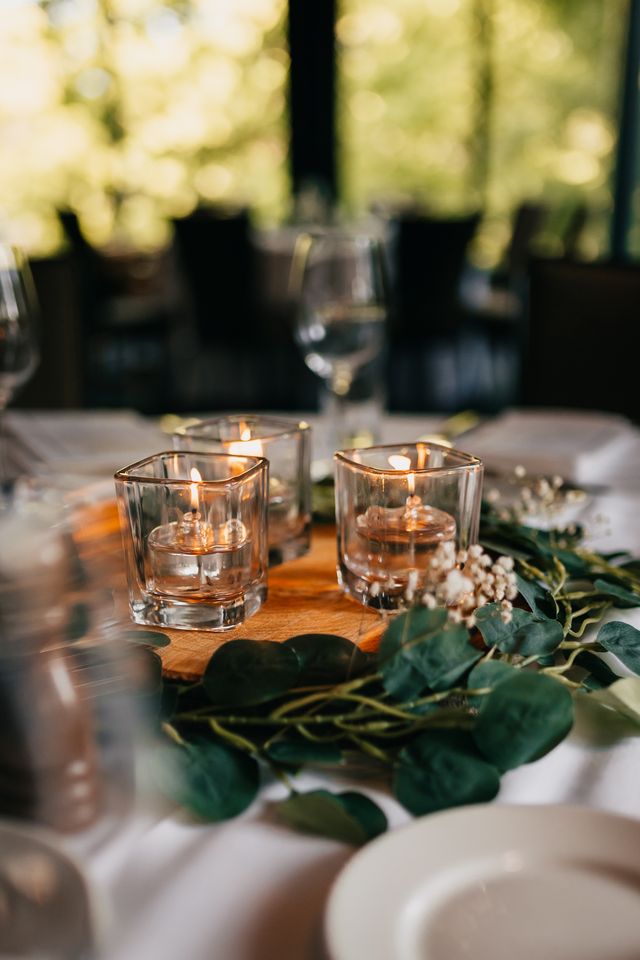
[(281, 496), (192, 532), (415, 523), (190, 556), (246, 446)]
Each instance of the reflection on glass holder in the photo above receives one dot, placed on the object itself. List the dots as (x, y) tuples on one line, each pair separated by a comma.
[(394, 506), (194, 527), (286, 445)]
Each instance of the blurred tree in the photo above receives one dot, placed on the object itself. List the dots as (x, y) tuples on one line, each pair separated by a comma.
[(132, 111), (445, 101)]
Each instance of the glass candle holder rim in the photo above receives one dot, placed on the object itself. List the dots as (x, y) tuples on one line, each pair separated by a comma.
[(257, 464), (347, 458), (290, 427)]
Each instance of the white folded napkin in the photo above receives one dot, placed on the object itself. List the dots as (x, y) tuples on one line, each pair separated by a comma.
[(581, 446), (83, 442)]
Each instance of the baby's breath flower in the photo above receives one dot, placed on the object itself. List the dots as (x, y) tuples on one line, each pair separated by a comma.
[(465, 580), (542, 487)]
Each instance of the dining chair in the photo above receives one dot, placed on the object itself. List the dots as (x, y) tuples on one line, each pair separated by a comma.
[(241, 358), (215, 259), (427, 261), (583, 336)]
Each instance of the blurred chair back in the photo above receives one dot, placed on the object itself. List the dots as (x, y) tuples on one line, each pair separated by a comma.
[(429, 258), (584, 336), (528, 221), (58, 379), (215, 257)]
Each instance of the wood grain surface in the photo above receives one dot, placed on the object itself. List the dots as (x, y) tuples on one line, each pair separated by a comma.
[(304, 597)]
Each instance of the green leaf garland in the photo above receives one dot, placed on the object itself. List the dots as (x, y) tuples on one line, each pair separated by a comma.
[(439, 713)]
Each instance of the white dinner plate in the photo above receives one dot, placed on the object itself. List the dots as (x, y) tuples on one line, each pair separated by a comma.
[(493, 882)]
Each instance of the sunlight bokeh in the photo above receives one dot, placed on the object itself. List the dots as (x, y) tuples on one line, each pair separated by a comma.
[(132, 111), (482, 104)]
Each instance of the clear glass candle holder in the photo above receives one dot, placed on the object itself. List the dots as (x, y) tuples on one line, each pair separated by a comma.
[(287, 446), (394, 506), (194, 527)]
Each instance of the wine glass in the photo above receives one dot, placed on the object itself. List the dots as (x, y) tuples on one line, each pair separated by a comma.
[(339, 284), (18, 345)]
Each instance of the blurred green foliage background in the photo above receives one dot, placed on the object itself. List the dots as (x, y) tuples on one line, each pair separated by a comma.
[(132, 112)]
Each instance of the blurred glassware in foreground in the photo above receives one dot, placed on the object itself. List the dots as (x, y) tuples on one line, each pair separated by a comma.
[(66, 717), (45, 909), (18, 343), (338, 282)]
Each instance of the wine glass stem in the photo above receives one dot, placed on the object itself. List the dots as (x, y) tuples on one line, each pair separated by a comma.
[(336, 406), (3, 445)]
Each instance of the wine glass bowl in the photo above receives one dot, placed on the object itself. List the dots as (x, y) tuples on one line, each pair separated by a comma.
[(339, 285), (18, 310)]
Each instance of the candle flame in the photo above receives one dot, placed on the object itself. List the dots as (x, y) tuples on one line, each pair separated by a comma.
[(196, 477), (399, 462), (245, 446)]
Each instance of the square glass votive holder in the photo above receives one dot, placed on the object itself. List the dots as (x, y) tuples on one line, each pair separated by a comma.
[(394, 506), (194, 528), (286, 444)]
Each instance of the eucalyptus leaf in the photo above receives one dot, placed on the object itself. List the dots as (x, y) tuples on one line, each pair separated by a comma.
[(150, 638), (576, 565), (496, 545), (488, 673), (525, 633), (304, 751), (367, 813), (523, 718), (621, 597), (548, 660), (326, 658), (145, 670), (400, 675), (168, 701), (624, 641), (245, 672), (349, 817), (445, 657), (540, 600), (212, 780), (440, 769), (622, 696), (632, 566), (600, 673)]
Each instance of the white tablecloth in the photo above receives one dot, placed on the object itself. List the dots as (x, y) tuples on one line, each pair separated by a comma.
[(248, 889)]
